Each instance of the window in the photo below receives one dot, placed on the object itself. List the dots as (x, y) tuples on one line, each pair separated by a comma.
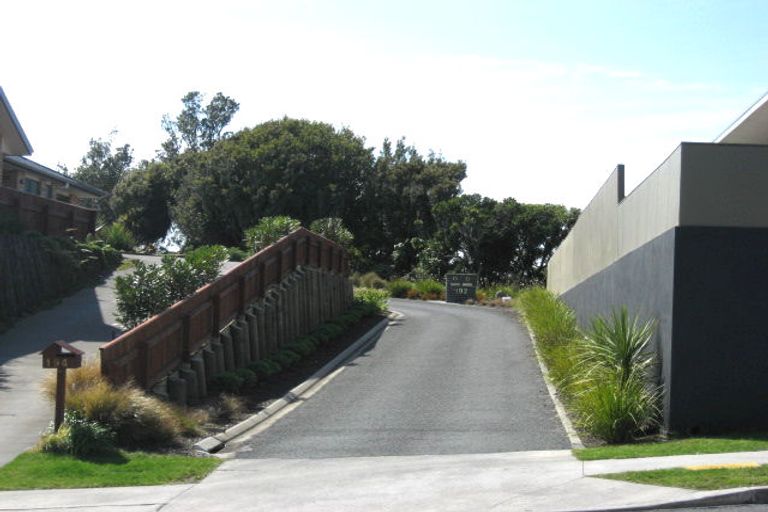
[(49, 191), (31, 186)]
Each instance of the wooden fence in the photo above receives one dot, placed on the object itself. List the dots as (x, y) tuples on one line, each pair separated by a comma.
[(47, 216), (150, 351)]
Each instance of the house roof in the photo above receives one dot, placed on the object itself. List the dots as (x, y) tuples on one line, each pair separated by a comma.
[(14, 140), (750, 128), (29, 165)]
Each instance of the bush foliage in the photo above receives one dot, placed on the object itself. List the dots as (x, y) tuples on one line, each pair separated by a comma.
[(118, 236), (604, 376), (151, 288), (137, 420), (268, 231)]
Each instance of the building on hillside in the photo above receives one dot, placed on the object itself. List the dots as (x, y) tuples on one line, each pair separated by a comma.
[(43, 199), (689, 248)]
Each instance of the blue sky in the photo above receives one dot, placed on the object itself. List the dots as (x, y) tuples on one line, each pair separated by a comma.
[(541, 99)]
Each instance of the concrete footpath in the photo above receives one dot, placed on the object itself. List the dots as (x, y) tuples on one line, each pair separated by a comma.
[(516, 481), (87, 320)]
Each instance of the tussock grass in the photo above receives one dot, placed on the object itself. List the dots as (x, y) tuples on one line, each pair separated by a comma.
[(603, 375), (138, 420)]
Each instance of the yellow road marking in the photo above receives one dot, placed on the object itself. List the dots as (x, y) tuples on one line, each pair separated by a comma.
[(734, 465)]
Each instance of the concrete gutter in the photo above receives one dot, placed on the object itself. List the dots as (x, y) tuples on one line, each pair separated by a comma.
[(217, 442), (573, 436)]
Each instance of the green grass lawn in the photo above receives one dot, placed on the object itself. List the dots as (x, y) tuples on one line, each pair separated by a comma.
[(690, 446), (707, 479), (33, 470)]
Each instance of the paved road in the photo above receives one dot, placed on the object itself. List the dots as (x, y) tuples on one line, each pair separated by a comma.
[(446, 380), (86, 319)]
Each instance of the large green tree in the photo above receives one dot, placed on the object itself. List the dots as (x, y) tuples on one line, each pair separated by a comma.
[(197, 127), (141, 201), (103, 166), (398, 197), (503, 241), (306, 170)]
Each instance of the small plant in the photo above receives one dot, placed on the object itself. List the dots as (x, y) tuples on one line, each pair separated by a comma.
[(250, 379), (237, 254), (78, 436), (268, 231), (333, 229), (377, 298), (429, 289), (229, 382), (118, 236), (286, 358), (372, 280), (617, 400), (399, 288)]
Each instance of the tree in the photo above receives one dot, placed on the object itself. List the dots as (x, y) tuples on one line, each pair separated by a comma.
[(197, 128), (141, 200), (397, 203), (103, 167), (302, 169), (502, 241)]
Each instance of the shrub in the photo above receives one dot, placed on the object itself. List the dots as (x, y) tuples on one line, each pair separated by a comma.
[(150, 289), (372, 280), (327, 332), (249, 377), (429, 289), (237, 254), (333, 229), (118, 236), (229, 382), (78, 436), (138, 420), (303, 348), (261, 368), (206, 262), (377, 298), (399, 288), (286, 358), (268, 231), (617, 400)]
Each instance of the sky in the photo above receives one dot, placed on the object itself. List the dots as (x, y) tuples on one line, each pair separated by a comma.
[(541, 99)]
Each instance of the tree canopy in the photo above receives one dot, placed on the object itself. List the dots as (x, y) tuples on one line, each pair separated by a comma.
[(398, 212)]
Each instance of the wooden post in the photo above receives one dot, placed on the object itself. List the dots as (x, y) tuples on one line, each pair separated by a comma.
[(61, 387)]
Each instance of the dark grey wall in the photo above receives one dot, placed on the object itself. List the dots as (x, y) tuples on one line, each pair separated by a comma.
[(720, 349), (643, 280)]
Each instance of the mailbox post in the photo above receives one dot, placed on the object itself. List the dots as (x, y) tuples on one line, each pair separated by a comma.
[(61, 356)]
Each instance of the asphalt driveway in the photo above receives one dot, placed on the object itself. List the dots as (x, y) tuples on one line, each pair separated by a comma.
[(445, 379)]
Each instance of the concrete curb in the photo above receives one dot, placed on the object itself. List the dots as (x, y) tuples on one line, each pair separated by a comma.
[(573, 436), (754, 496), (215, 443)]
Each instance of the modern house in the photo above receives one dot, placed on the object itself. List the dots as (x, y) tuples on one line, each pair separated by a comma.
[(43, 199), (689, 248)]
